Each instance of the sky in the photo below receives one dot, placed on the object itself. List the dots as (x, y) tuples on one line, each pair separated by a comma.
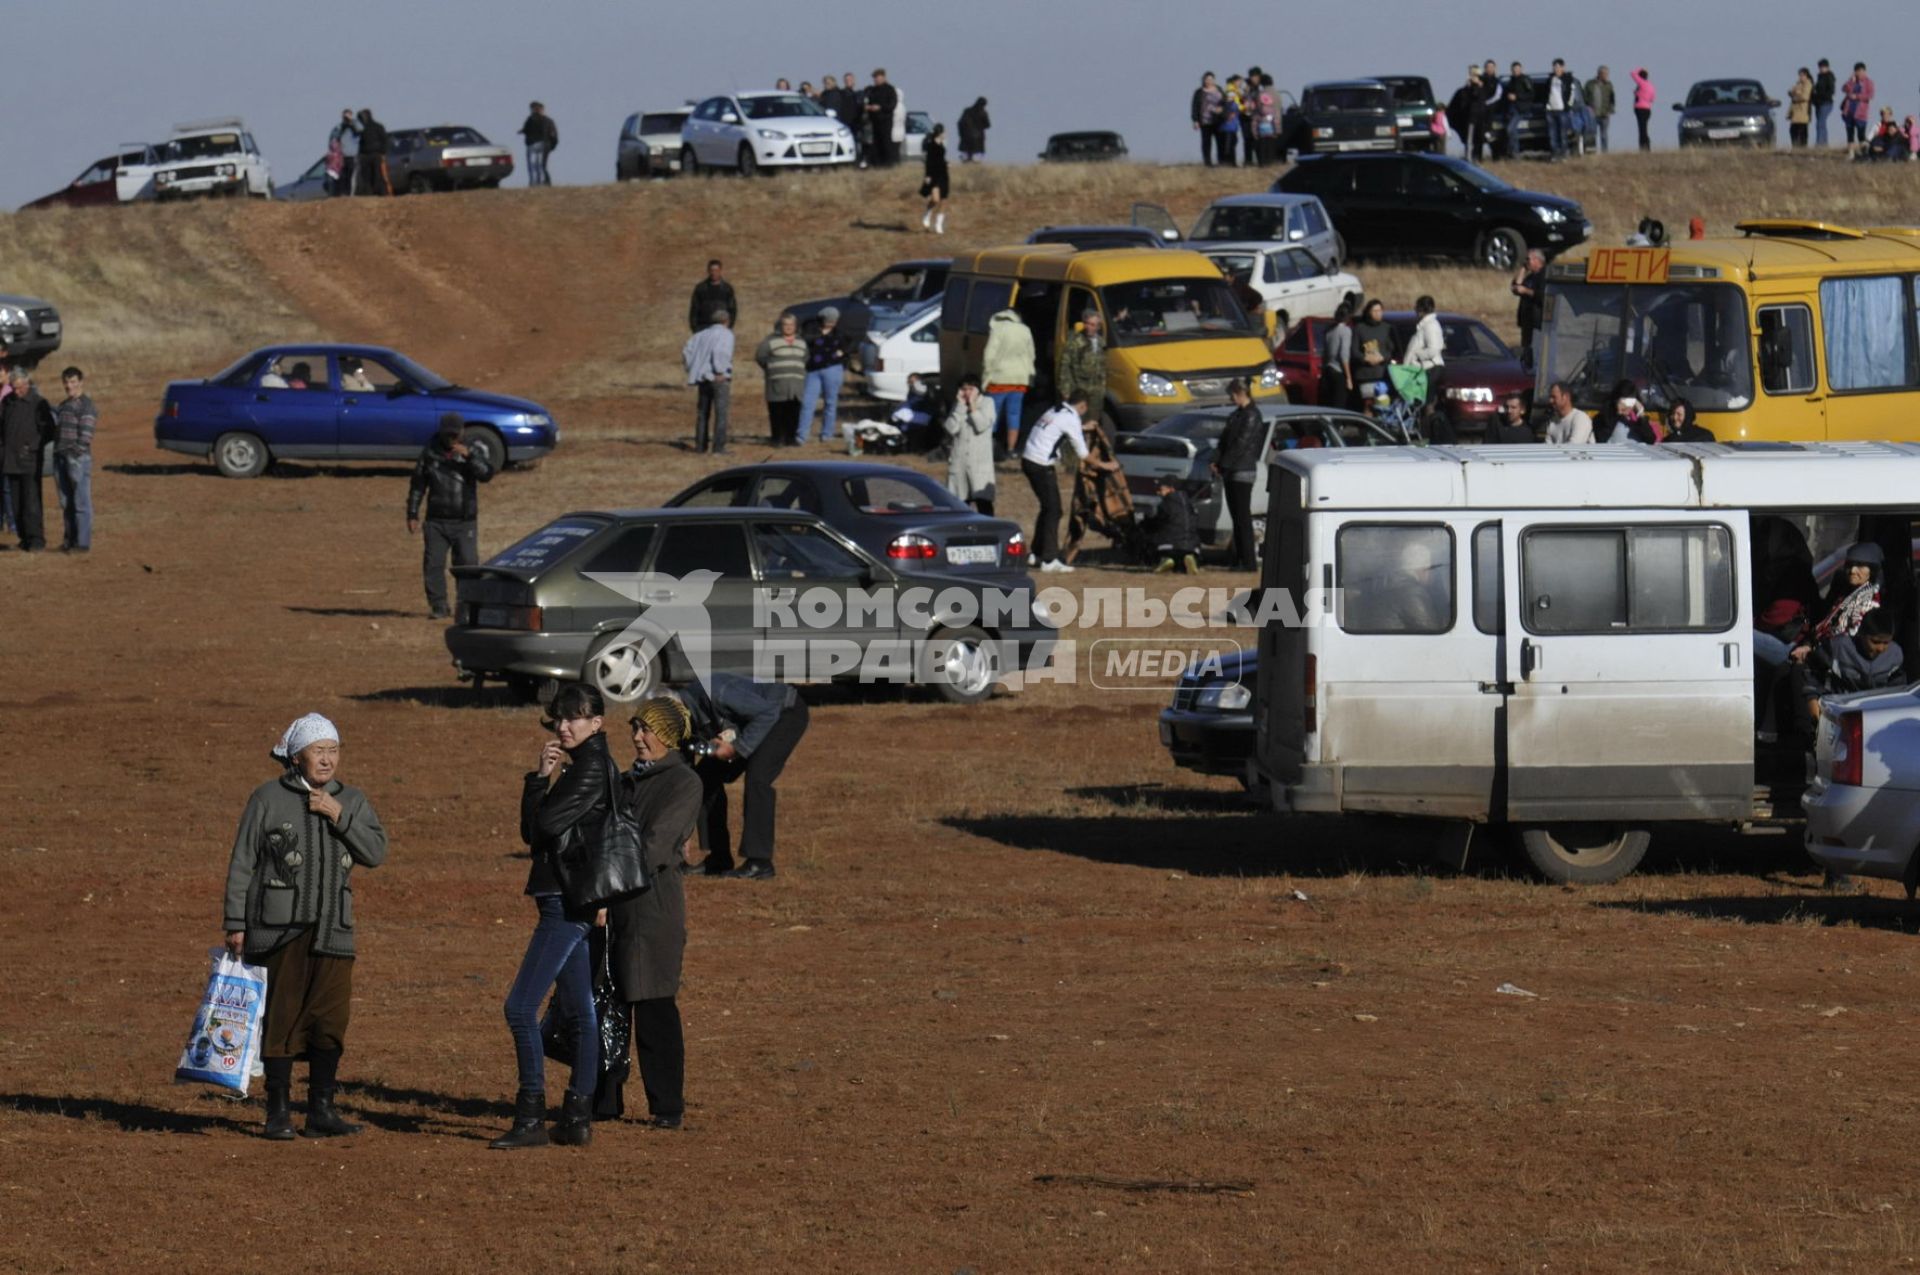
[(99, 72)]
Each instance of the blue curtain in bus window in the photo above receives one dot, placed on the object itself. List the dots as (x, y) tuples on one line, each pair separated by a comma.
[(1866, 327)]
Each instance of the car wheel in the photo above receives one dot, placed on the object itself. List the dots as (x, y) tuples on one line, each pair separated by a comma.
[(1584, 853), (623, 670), (487, 444), (419, 184), (748, 165), (240, 456), (689, 162), (1501, 248), (960, 664)]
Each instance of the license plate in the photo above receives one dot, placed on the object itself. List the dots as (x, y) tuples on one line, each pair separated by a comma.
[(478, 162), (1166, 735), (490, 617), (816, 148), (972, 555), (1723, 134), (50, 327), (1406, 121)]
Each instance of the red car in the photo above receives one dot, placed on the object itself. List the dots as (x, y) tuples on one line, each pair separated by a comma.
[(1479, 372), (117, 179)]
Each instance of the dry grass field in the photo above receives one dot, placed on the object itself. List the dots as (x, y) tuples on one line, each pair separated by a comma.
[(1024, 996)]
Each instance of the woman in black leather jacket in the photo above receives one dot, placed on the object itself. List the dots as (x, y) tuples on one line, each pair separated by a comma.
[(551, 818)]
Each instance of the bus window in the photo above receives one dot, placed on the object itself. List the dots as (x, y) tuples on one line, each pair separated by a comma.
[(990, 297), (1786, 349), (1689, 339), (1627, 580), (1868, 323), (1394, 578), (1488, 616)]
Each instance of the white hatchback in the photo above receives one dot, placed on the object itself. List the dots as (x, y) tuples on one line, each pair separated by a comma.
[(1287, 278), (912, 348), (1863, 805), (752, 131)]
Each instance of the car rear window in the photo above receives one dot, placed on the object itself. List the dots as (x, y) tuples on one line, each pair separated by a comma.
[(453, 137), (547, 545), (668, 123), (903, 495)]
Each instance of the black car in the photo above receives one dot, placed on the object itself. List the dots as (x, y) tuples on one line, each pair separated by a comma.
[(632, 600), (1084, 148), (1341, 116), (1209, 726), (1413, 111), (880, 302), (1088, 238), (1435, 206), (1727, 113), (896, 514)]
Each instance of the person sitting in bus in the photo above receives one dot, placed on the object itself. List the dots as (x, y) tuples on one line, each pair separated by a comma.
[(1569, 425), (1513, 426), (1682, 427), (1868, 660)]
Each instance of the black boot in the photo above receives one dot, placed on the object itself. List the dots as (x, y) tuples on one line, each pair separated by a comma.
[(322, 1120), (529, 1123), (279, 1099), (574, 1128)]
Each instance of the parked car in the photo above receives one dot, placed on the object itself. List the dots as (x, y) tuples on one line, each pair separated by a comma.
[(751, 131), (912, 348), (650, 143), (1339, 116), (882, 301), (30, 328), (1091, 238), (1413, 110), (120, 178), (309, 186), (919, 127), (1287, 278), (1209, 726), (338, 402), (1727, 112), (1084, 148), (1863, 804), (1435, 205), (216, 157), (897, 514), (1181, 449), (1267, 218), (1480, 369), (531, 613), (445, 157)]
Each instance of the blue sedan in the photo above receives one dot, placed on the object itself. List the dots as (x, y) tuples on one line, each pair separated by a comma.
[(338, 402)]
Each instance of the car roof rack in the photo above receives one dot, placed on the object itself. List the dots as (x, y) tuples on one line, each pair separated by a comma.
[(1797, 228), (196, 126)]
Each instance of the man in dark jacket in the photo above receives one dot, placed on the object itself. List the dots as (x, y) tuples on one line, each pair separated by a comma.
[(1464, 107), (974, 124), (831, 100), (373, 156), (445, 478), (1170, 530), (881, 101), (1492, 108), (541, 135), (1237, 460), (1512, 427), (751, 728), (1824, 87), (1518, 99), (27, 426), (710, 294)]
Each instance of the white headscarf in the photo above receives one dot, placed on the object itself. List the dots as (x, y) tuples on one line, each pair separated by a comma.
[(306, 730)]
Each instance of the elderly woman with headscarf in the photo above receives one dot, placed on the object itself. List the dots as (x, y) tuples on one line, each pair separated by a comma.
[(289, 907), (647, 932)]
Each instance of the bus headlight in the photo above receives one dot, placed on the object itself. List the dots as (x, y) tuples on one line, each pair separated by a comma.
[(1154, 385), (1270, 377)]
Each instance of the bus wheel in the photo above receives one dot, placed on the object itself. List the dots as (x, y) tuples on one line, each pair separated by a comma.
[(1584, 853)]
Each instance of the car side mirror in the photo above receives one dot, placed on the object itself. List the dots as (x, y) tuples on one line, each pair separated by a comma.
[(1773, 101), (1678, 107), (729, 118), (1296, 234)]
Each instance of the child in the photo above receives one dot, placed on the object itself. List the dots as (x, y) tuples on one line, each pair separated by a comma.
[(1868, 660), (1170, 530)]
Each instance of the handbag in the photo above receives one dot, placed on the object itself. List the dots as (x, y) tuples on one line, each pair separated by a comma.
[(608, 864)]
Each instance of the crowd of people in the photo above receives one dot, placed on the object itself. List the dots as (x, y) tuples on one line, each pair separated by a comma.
[(34, 432)]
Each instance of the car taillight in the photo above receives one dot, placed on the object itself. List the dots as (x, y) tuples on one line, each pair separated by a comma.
[(1310, 692), (172, 409), (876, 363), (448, 162), (911, 547), (1017, 546), (1847, 750)]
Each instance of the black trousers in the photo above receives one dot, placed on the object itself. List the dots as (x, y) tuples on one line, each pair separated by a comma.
[(23, 492), (761, 769), (783, 419), (344, 186), (714, 403), (1210, 141), (1045, 481), (444, 536), (1240, 509), (661, 1047), (1641, 115)]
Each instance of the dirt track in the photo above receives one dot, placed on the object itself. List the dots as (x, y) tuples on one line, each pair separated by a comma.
[(1006, 942)]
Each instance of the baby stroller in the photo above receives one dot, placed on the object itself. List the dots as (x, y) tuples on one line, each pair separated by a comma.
[(1405, 412)]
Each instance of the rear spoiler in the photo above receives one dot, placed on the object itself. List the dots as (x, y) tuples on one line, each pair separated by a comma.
[(486, 571)]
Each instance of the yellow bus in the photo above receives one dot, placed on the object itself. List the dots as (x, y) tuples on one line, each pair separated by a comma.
[(1790, 331)]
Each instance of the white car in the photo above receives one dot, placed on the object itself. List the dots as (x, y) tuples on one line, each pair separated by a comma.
[(1287, 278), (1863, 806), (752, 131), (913, 347), (214, 157), (650, 143)]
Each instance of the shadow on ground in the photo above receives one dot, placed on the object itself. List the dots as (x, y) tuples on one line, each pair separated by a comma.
[(129, 1116), (279, 469), (1868, 912), (362, 613)]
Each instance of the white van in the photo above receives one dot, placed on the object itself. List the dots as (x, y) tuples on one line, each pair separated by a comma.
[(1559, 639)]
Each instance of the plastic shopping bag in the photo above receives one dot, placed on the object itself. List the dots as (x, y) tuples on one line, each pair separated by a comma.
[(224, 1046)]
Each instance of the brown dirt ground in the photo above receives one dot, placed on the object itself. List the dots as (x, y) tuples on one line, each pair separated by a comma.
[(1007, 942)]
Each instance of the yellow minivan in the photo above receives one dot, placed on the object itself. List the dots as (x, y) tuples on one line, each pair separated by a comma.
[(1175, 332)]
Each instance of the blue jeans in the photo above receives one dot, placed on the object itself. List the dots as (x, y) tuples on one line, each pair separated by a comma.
[(1557, 133), (1769, 650), (1820, 114), (537, 164), (1006, 406), (825, 382), (1599, 133), (557, 958), (73, 479)]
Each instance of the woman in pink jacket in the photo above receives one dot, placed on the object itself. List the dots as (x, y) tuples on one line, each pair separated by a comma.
[(1643, 96), (1856, 104)]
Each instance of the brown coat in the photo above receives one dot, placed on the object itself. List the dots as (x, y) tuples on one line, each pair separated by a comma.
[(648, 932)]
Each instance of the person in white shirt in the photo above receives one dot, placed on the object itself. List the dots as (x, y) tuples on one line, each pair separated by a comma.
[(1428, 346), (1060, 425), (1569, 423)]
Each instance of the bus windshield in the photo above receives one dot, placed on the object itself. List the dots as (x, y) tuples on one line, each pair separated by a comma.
[(1156, 310), (1689, 340)]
